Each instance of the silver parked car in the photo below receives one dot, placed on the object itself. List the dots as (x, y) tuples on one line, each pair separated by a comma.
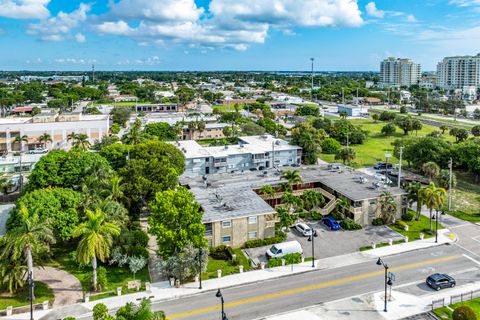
[(305, 230)]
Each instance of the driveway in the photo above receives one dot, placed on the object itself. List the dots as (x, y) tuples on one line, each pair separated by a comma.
[(66, 288), (332, 243)]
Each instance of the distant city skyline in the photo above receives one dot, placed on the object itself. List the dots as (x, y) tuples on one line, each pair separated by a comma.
[(209, 35)]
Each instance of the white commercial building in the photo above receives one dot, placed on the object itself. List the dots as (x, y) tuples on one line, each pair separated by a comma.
[(399, 72), (58, 126), (251, 153), (459, 72)]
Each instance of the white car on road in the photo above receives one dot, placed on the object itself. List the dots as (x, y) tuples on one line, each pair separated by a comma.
[(305, 230)]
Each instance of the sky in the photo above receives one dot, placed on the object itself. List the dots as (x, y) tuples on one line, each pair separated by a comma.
[(342, 35)]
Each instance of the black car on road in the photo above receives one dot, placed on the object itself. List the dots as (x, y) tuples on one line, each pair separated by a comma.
[(439, 281)]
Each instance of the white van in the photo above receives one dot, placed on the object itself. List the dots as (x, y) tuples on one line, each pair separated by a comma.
[(281, 249)]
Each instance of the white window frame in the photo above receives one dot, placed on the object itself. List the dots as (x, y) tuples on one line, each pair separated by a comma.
[(252, 218), (252, 232), (229, 222), (228, 241)]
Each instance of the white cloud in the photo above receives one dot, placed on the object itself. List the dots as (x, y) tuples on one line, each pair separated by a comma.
[(228, 24), (411, 18), (59, 28), (73, 61), (465, 3), (372, 10), (80, 38), (148, 61), (160, 11), (24, 9)]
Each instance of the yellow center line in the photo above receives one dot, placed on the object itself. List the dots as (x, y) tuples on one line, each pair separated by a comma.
[(313, 287)]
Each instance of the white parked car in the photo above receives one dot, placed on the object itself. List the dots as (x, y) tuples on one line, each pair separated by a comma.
[(38, 151), (305, 230)]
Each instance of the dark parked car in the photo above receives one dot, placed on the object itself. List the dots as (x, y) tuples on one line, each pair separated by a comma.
[(439, 281), (331, 223), (382, 166)]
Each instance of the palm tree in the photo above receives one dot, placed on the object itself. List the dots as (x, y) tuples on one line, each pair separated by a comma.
[(116, 189), (343, 114), (346, 155), (267, 191), (293, 177), (95, 240), (292, 201), (21, 140), (12, 274), (201, 125), (80, 142), (412, 195), (45, 138), (178, 129), (71, 136), (312, 199), (31, 237), (286, 219), (431, 170), (343, 207), (388, 207), (433, 198)]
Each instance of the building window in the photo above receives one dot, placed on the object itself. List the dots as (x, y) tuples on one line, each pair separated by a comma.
[(227, 224), (252, 220), (252, 235), (226, 239)]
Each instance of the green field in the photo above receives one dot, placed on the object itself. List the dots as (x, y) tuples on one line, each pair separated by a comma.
[(375, 147), (446, 312), (227, 267), (42, 293), (417, 227), (228, 108), (466, 198)]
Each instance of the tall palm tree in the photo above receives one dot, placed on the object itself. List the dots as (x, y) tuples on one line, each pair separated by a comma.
[(115, 192), (71, 136), (292, 201), (433, 197), (388, 207), (95, 240), (293, 177), (45, 138), (178, 129), (80, 142), (412, 196), (267, 191), (20, 140), (343, 207), (201, 125), (312, 199), (286, 219), (31, 237), (431, 170)]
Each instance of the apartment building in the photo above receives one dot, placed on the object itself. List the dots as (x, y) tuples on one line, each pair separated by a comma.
[(399, 72), (58, 126), (251, 153), (459, 72), (234, 210), (211, 131)]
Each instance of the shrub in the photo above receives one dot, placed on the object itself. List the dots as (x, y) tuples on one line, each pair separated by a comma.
[(400, 224), (101, 278), (349, 224), (336, 215), (222, 252), (70, 318), (464, 313), (330, 145), (316, 216), (291, 258), (428, 231), (100, 311), (408, 216), (278, 238), (378, 222)]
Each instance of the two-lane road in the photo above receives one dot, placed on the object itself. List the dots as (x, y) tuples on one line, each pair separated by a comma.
[(302, 290)]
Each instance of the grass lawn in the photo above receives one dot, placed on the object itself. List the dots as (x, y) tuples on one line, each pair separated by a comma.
[(228, 108), (416, 227), (227, 267), (63, 258), (445, 313), (374, 148), (42, 293), (466, 198)]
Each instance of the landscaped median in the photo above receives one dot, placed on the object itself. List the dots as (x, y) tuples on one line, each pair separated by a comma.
[(471, 308)]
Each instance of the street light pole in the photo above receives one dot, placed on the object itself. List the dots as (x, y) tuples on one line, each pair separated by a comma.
[(311, 91), (219, 295), (400, 167), (436, 226), (200, 256), (385, 266), (311, 239), (450, 167)]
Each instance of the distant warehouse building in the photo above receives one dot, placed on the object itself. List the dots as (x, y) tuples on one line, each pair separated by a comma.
[(353, 111), (251, 153)]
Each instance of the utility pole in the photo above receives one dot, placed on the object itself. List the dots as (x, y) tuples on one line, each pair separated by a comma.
[(311, 91), (400, 167), (450, 167), (93, 73), (343, 97)]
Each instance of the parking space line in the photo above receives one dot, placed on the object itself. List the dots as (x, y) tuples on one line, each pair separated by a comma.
[(471, 259)]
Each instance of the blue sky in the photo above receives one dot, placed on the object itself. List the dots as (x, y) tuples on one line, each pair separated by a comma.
[(232, 34)]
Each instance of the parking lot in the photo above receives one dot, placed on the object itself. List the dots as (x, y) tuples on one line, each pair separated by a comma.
[(332, 243)]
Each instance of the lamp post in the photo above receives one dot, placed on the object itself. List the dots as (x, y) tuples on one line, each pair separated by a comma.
[(387, 155), (200, 256), (31, 284), (311, 239), (385, 266), (219, 295), (311, 91)]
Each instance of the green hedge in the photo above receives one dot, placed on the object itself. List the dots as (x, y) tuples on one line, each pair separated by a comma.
[(409, 216), (278, 238), (222, 252), (291, 258), (349, 224), (378, 222)]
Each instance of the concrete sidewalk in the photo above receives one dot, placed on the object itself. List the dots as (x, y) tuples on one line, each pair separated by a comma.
[(162, 291)]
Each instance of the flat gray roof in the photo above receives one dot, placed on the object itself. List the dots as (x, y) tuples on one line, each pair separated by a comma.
[(226, 196)]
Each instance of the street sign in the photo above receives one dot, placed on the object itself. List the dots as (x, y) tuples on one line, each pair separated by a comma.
[(391, 276)]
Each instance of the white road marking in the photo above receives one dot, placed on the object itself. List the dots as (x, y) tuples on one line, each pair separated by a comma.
[(459, 245), (471, 259)]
